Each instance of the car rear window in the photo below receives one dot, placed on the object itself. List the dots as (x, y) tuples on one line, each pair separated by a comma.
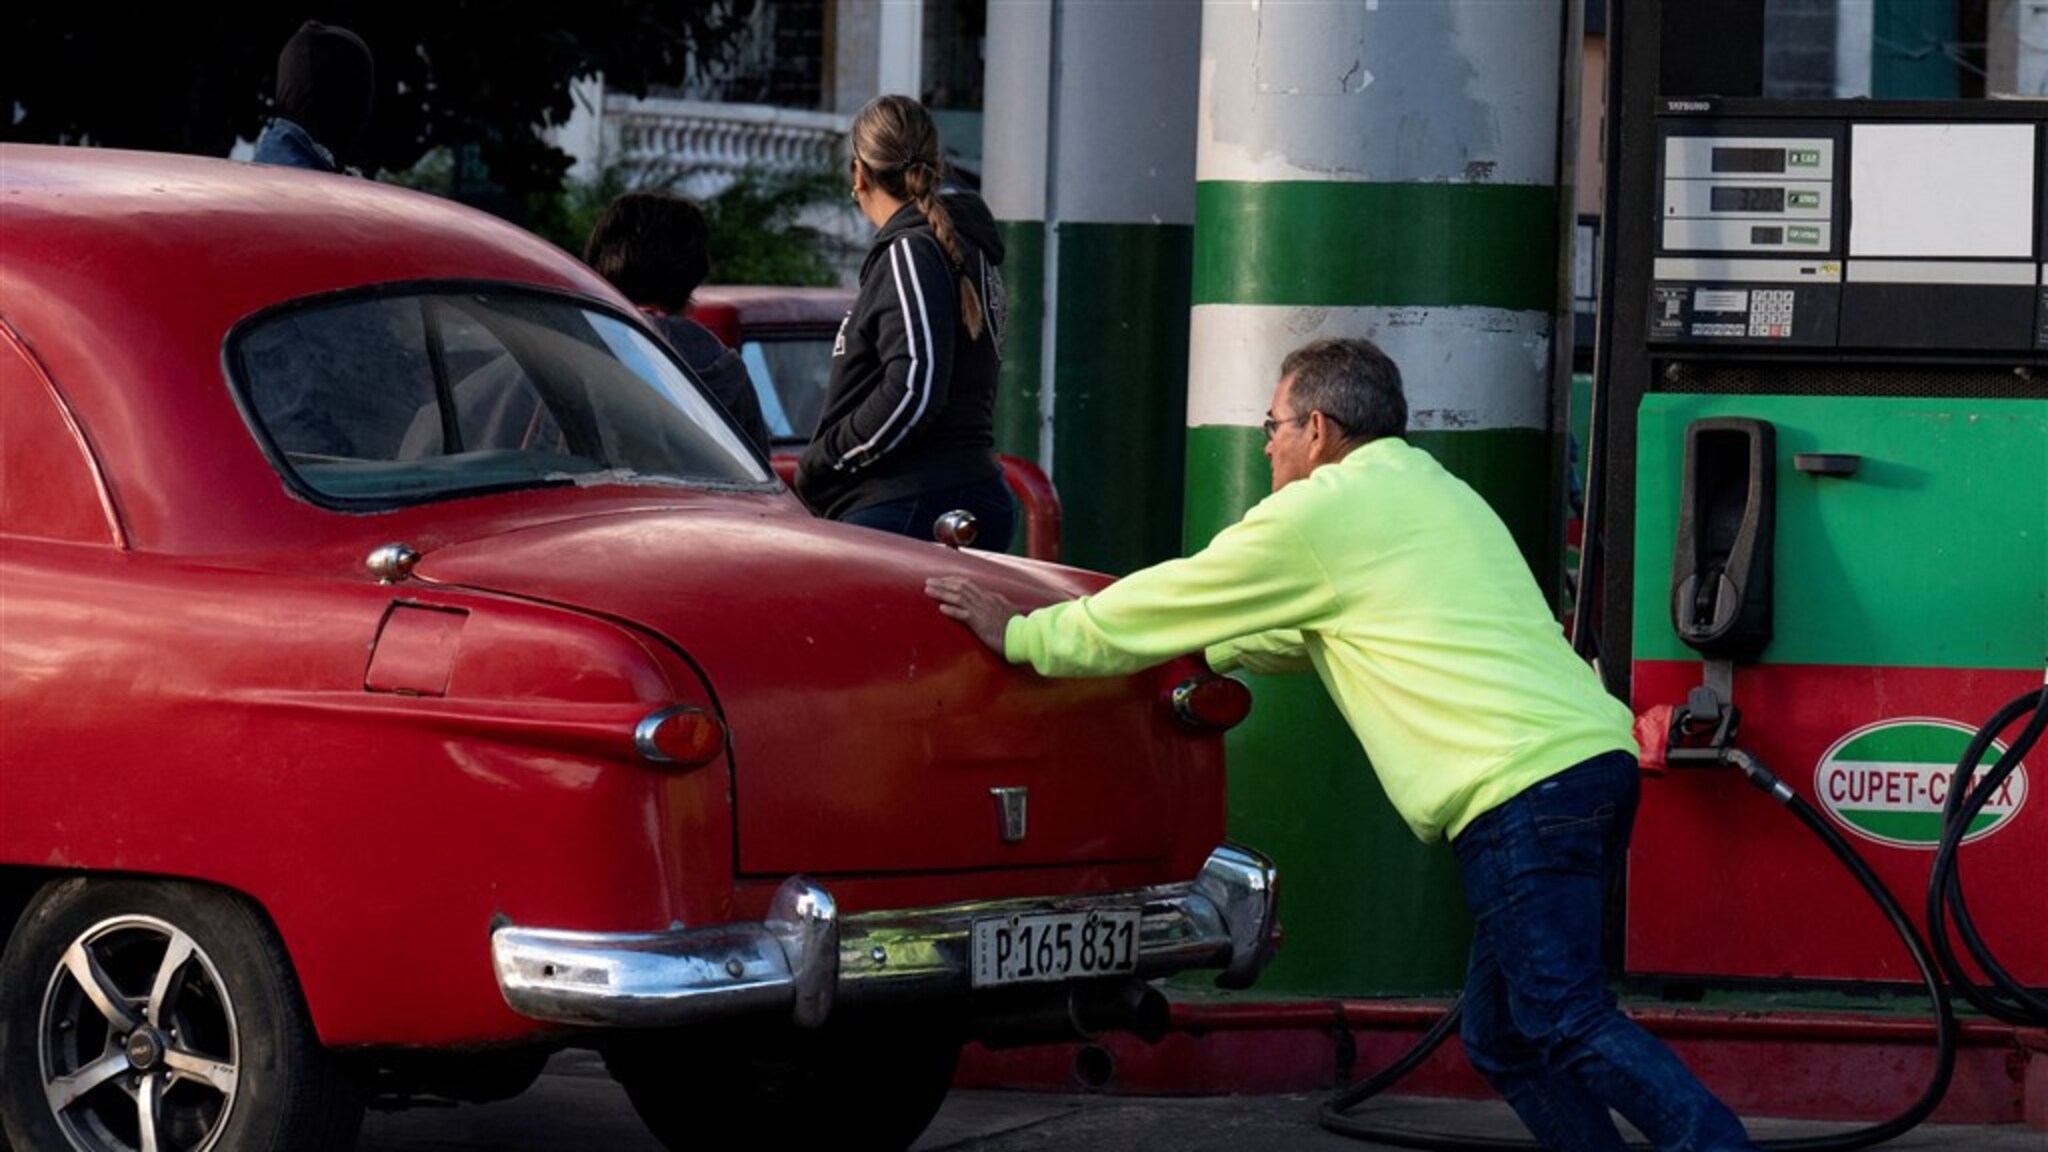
[(790, 375), (422, 395)]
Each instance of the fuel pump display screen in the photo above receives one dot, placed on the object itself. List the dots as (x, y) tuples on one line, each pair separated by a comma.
[(1946, 246), (1748, 249), (1750, 160), (1750, 198), (1716, 186)]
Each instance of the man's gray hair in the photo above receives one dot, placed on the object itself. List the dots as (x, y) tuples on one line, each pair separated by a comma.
[(1350, 381)]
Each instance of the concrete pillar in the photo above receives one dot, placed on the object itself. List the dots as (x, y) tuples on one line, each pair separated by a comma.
[(1089, 164), (1389, 170), (900, 62)]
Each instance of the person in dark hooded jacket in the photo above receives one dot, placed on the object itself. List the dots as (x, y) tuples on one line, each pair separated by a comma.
[(325, 78), (655, 248), (908, 428)]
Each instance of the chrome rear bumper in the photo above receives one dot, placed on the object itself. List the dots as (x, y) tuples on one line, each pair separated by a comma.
[(804, 959)]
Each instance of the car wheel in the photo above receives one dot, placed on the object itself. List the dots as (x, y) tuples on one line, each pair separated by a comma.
[(868, 1083), (160, 1016)]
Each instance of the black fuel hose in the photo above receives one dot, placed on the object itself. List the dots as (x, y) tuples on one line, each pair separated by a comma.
[(2000, 996), (1334, 1113)]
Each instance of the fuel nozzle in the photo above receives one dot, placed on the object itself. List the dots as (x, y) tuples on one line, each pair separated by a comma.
[(1702, 731), (1703, 735)]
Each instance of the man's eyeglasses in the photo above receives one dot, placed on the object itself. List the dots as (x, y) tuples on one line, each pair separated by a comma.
[(1272, 425)]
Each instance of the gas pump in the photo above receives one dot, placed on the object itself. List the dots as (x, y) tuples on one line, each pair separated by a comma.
[(1837, 473), (1817, 538)]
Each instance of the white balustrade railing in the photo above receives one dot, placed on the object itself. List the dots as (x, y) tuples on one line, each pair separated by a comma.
[(700, 147)]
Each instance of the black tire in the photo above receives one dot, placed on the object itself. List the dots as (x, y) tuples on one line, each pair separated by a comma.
[(188, 1001), (864, 1083)]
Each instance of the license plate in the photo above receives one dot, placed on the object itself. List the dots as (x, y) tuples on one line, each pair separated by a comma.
[(1044, 946)]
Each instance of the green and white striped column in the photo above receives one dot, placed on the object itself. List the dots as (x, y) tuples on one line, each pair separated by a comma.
[(1089, 164), (1387, 169)]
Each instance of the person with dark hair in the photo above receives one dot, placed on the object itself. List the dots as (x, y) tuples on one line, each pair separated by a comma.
[(1401, 589), (325, 81), (908, 428), (655, 248)]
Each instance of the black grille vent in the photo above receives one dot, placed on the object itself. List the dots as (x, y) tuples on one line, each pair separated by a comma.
[(1999, 383)]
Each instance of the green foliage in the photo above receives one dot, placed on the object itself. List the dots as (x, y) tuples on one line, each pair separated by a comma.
[(434, 173), (565, 217), (755, 234)]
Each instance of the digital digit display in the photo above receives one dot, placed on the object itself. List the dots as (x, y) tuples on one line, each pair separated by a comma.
[(1749, 159), (1746, 199), (1766, 235)]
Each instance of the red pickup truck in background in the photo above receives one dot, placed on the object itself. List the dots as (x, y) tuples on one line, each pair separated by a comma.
[(785, 336)]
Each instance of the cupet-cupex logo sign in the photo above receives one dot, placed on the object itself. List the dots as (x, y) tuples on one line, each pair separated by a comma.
[(1888, 781)]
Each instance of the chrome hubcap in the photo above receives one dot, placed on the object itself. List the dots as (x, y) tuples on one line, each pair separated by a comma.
[(139, 1048), (145, 1048)]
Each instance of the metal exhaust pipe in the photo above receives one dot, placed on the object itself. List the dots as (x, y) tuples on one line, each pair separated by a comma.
[(1135, 1007), (1059, 1015)]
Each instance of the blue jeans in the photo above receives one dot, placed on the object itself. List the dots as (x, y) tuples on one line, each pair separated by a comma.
[(1540, 1023), (995, 513)]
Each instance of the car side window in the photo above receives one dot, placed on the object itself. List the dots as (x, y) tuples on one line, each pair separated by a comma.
[(403, 398), (341, 382), (48, 488), (496, 405)]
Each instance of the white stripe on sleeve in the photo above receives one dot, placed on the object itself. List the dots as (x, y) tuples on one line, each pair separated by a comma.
[(917, 383)]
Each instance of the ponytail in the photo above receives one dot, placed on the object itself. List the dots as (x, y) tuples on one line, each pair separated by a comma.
[(894, 137), (922, 184)]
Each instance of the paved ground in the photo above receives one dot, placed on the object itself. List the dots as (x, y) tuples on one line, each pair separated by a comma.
[(575, 1108), (1002, 1122)]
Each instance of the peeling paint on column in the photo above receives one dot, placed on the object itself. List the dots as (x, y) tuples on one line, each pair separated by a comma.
[(1420, 89), (1454, 361)]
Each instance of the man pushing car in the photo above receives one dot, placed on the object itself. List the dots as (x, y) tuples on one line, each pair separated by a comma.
[(1402, 589)]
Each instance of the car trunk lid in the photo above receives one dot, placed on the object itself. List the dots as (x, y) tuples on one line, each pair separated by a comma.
[(869, 732)]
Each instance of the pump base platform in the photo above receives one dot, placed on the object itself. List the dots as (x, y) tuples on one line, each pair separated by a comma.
[(1850, 1067)]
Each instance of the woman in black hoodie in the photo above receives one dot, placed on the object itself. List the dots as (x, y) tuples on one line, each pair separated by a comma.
[(908, 430)]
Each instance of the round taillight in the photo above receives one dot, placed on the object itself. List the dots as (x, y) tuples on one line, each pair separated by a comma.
[(1217, 703), (680, 735)]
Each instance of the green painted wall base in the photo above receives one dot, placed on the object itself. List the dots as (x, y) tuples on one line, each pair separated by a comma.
[(1019, 383), (1367, 909), (1119, 380), (1121, 386)]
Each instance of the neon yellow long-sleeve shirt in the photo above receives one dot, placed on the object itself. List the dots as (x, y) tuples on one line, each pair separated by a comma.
[(1403, 590)]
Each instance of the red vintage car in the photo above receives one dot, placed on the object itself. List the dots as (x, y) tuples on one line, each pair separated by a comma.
[(786, 336), (406, 672)]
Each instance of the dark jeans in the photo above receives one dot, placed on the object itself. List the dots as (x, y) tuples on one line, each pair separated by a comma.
[(995, 513), (1540, 1023)]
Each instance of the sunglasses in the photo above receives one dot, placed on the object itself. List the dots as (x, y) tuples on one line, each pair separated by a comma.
[(1272, 425)]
